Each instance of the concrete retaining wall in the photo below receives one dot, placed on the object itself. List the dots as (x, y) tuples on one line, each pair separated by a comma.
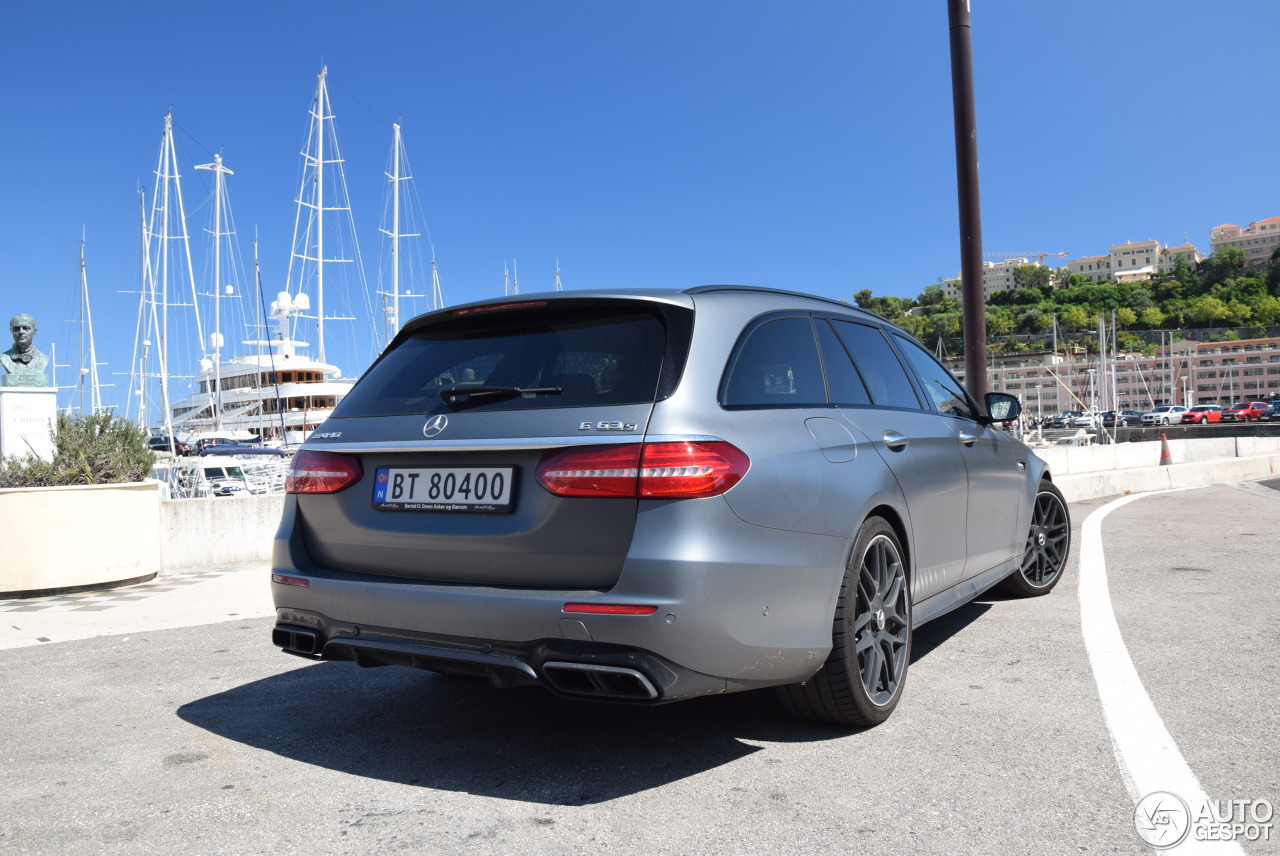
[(1090, 472), (219, 530), (67, 538), (1071, 460)]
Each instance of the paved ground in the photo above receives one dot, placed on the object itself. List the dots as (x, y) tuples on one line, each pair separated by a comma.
[(159, 719)]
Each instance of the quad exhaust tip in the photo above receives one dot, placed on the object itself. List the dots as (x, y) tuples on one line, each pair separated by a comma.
[(590, 679), (297, 640)]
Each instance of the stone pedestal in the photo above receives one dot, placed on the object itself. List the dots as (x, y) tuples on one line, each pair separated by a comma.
[(27, 417)]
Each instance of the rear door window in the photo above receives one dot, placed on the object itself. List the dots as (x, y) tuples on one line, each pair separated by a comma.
[(521, 360), (878, 366), (844, 384)]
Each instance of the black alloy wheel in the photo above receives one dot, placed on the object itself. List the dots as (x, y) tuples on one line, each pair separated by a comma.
[(863, 678), (1048, 544)]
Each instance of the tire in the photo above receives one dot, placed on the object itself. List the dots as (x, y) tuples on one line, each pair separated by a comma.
[(862, 680), (1048, 545)]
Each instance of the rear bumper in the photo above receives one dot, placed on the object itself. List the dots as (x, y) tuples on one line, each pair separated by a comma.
[(575, 670), (751, 609)]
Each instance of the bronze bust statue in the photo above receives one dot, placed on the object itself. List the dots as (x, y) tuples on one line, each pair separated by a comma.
[(24, 364)]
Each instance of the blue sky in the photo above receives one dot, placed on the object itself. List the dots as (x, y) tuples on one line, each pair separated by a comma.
[(807, 145)]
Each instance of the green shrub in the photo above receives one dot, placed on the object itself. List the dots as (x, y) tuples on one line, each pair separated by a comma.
[(96, 449)]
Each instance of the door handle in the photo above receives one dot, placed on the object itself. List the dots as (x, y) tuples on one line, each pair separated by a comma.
[(967, 438), (895, 441)]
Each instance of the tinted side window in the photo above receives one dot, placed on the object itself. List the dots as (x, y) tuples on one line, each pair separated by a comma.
[(946, 393), (843, 382), (883, 374), (776, 365)]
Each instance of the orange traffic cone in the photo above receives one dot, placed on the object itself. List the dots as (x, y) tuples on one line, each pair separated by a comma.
[(1165, 458)]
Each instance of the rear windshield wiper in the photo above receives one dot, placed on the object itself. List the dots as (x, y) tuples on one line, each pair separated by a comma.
[(459, 395)]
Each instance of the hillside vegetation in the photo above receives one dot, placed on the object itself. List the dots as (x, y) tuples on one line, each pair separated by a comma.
[(1219, 292)]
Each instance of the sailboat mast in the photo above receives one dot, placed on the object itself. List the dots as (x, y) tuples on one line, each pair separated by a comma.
[(89, 370), (324, 194), (322, 103), (395, 231), (167, 223), (220, 173), (437, 293), (138, 362)]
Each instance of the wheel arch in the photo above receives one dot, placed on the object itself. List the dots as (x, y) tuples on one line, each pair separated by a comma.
[(890, 515)]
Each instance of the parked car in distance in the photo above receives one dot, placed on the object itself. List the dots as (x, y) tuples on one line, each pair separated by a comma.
[(1085, 420), (651, 495), (1065, 419), (1165, 414), (204, 443), (1272, 413), (1245, 411), (1202, 414), (162, 444), (1121, 418)]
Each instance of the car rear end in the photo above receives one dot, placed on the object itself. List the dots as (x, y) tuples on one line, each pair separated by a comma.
[(489, 499)]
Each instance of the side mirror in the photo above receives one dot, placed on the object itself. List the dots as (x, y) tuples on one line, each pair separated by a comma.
[(1002, 407)]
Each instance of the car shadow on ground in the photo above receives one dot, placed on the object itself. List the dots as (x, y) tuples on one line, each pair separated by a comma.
[(925, 639), (461, 734)]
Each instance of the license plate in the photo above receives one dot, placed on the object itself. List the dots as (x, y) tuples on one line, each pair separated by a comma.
[(452, 489)]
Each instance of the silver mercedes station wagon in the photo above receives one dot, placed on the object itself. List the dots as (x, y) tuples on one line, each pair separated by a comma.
[(646, 495)]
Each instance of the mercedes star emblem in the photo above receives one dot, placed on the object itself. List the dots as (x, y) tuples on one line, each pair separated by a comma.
[(434, 426)]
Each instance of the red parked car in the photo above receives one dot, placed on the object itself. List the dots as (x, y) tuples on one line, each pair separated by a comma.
[(1245, 411), (1201, 414)]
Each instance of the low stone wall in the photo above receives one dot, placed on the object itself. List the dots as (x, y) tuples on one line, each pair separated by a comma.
[(1073, 460), (1091, 472), (219, 530), (86, 536)]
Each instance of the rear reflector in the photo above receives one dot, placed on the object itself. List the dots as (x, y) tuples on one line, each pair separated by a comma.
[(681, 470), (609, 609), (322, 472), (290, 581)]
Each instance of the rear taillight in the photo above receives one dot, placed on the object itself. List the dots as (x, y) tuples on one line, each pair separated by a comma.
[(681, 470), (322, 472), (592, 471)]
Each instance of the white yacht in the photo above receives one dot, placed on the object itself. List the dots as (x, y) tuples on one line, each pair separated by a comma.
[(275, 394)]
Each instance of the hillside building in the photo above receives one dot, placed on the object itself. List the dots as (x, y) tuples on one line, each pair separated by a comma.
[(1258, 242)]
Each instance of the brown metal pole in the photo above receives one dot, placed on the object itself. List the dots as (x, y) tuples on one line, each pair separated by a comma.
[(973, 303)]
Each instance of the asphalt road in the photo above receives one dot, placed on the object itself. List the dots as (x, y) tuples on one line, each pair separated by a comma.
[(206, 740)]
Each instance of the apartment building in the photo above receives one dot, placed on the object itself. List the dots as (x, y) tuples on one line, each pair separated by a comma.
[(1133, 261), (996, 277), (1186, 372), (1257, 242), (1093, 268)]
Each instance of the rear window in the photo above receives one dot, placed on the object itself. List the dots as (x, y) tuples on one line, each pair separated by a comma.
[(577, 356)]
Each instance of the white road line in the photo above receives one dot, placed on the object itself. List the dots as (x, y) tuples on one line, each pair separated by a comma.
[(1149, 759)]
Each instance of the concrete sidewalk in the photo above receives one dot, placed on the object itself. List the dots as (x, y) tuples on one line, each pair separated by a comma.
[(169, 601)]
